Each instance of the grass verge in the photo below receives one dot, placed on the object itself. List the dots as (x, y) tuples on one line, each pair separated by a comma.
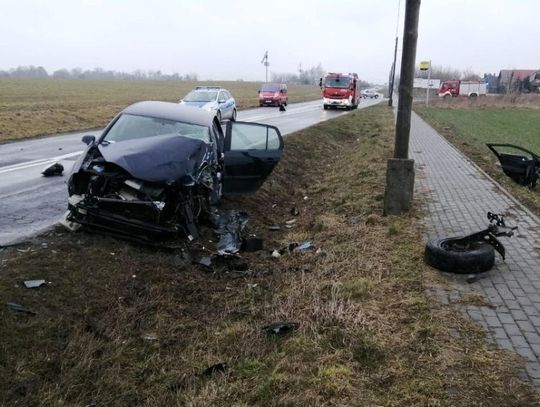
[(35, 107), (469, 129), (122, 325)]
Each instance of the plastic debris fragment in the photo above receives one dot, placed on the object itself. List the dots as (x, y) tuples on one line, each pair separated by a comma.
[(281, 328), (34, 283)]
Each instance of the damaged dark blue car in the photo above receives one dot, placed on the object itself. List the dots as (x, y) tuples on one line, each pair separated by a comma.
[(158, 167)]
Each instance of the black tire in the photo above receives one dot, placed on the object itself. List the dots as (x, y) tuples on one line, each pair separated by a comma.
[(325, 107), (445, 255), (218, 115), (233, 117)]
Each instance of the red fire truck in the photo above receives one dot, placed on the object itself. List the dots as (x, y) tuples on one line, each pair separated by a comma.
[(340, 90), (462, 88)]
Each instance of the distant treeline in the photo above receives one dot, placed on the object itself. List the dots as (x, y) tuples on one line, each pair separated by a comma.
[(32, 71), (309, 76)]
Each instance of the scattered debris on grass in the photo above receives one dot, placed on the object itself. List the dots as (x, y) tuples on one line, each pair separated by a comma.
[(281, 328), (20, 308), (220, 367), (229, 227), (34, 283), (252, 244)]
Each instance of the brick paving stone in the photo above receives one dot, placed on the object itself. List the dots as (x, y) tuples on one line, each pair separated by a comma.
[(526, 326), (457, 195), (533, 370), (494, 322), (527, 353), (498, 333), (505, 318), (505, 344), (532, 337), (518, 315), (519, 341)]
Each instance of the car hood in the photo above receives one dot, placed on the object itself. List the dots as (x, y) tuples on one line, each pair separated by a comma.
[(158, 159), (204, 105)]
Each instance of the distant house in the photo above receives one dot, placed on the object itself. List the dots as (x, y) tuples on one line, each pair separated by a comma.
[(512, 80)]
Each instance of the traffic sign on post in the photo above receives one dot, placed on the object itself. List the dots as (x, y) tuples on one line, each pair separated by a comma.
[(425, 65)]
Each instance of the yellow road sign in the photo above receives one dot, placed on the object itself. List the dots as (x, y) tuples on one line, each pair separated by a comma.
[(425, 65)]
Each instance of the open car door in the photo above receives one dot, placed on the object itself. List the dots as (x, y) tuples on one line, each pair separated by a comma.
[(520, 164), (252, 150)]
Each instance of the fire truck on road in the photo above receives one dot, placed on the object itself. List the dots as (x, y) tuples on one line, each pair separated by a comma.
[(455, 88), (340, 90)]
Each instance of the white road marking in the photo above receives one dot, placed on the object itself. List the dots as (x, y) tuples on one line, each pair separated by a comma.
[(35, 163)]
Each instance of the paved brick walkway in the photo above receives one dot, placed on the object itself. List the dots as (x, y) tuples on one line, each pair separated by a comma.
[(457, 195)]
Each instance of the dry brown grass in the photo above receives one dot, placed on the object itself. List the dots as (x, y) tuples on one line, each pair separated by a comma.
[(368, 336), (513, 100), (34, 107)]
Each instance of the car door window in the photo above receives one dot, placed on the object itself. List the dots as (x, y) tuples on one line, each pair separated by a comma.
[(222, 97), (246, 136)]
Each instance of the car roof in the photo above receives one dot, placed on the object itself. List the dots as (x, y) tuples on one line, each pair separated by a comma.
[(171, 111), (208, 88)]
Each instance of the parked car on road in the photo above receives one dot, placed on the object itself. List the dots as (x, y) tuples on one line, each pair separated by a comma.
[(273, 94), (158, 166), (369, 93), (212, 99)]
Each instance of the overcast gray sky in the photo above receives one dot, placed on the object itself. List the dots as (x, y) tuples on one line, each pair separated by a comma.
[(226, 39)]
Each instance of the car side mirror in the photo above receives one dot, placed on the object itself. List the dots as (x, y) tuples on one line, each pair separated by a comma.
[(221, 101), (88, 139)]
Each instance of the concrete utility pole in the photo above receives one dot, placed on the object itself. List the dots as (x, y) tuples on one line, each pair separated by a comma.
[(400, 169)]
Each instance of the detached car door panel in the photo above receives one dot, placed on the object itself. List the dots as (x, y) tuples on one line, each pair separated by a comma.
[(252, 150), (518, 163)]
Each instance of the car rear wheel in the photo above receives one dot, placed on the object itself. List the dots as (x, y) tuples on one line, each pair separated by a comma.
[(233, 117)]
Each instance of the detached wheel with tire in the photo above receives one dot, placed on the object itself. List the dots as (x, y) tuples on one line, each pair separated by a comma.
[(450, 255)]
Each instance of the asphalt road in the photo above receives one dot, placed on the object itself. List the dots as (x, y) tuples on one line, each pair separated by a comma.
[(31, 203)]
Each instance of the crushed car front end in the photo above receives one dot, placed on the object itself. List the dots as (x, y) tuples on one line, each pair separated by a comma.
[(149, 188)]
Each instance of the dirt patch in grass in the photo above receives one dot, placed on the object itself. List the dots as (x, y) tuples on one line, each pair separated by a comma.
[(122, 325), (35, 107), (469, 129)]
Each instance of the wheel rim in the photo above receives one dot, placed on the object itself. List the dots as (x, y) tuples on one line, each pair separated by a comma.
[(453, 246)]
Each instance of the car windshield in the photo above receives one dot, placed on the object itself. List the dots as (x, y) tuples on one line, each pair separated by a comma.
[(201, 96), (270, 87), (129, 127), (337, 82)]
